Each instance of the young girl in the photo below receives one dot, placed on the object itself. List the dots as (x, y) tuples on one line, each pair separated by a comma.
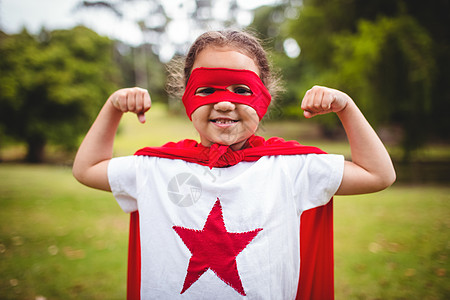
[(221, 218)]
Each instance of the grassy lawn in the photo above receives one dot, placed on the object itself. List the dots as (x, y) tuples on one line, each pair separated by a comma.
[(60, 240), (393, 244)]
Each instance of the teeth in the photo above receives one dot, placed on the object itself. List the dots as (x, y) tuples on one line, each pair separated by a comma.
[(222, 121)]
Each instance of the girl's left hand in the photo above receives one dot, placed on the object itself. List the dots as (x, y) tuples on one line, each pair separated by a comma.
[(321, 100)]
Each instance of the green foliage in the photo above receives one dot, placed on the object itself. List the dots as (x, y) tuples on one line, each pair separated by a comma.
[(52, 86), (388, 66)]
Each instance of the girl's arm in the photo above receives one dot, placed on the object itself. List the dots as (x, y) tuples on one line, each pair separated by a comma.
[(90, 166), (371, 167)]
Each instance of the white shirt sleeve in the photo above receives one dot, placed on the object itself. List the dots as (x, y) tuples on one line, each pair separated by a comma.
[(317, 179), (122, 178)]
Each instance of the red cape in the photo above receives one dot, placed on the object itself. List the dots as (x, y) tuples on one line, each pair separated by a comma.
[(316, 228)]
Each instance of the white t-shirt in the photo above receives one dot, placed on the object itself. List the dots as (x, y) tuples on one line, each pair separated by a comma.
[(182, 205)]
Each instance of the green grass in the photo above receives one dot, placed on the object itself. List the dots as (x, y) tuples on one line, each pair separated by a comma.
[(393, 244), (61, 240), (58, 239)]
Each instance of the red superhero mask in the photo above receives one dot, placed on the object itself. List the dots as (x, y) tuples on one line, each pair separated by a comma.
[(219, 79)]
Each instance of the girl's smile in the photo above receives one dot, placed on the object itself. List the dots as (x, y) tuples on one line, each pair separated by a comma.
[(225, 123)]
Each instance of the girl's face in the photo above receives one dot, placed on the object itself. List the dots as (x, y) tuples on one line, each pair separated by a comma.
[(225, 122)]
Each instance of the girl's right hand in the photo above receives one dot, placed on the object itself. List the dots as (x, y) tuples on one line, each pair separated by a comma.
[(135, 100)]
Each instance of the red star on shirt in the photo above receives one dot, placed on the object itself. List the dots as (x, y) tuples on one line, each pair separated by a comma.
[(215, 248)]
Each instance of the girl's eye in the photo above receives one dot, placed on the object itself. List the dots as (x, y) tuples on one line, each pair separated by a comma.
[(242, 90), (204, 91)]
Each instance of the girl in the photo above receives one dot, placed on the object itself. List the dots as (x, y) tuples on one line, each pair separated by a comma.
[(221, 218)]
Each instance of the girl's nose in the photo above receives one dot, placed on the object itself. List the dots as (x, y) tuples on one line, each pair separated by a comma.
[(224, 106)]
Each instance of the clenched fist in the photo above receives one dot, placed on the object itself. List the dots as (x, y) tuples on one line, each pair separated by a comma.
[(135, 100), (322, 100)]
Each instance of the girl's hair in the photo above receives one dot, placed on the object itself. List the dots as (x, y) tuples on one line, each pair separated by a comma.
[(240, 41)]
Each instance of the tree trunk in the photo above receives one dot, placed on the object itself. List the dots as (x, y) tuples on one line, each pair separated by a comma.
[(35, 152)]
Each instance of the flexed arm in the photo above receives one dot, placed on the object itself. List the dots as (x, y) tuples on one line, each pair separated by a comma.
[(90, 166), (371, 167)]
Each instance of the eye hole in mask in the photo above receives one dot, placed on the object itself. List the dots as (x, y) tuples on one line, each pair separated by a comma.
[(204, 91), (240, 89)]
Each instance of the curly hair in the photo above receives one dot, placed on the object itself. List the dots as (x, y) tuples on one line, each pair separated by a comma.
[(180, 69)]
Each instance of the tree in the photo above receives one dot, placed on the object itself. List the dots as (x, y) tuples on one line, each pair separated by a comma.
[(389, 65), (391, 56), (52, 85)]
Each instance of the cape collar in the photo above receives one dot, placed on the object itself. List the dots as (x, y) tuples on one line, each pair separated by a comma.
[(221, 156)]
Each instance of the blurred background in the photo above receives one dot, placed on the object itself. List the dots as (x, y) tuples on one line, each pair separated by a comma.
[(60, 60)]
